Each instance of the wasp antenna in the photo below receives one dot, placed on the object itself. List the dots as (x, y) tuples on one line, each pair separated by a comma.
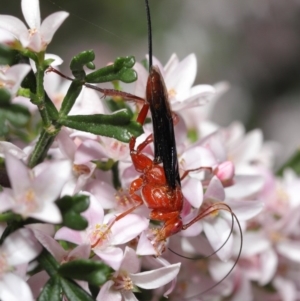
[(227, 208), (149, 33), (231, 269)]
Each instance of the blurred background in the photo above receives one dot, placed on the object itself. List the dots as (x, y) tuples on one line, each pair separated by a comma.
[(254, 45)]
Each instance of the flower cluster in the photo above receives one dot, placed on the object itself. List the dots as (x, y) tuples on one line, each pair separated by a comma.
[(69, 199)]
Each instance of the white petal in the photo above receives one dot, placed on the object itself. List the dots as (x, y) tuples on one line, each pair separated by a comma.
[(244, 186), (286, 288), (290, 250), (51, 245), (31, 12), (254, 243), (6, 36), (171, 64), (108, 293), (245, 209), (128, 228), (183, 76), (130, 262), (111, 256), (193, 191), (70, 235), (57, 59), (249, 148), (215, 190), (21, 246), (141, 83), (51, 24), (269, 261), (6, 200), (49, 183), (129, 296), (13, 25), (47, 212), (17, 73), (156, 278), (13, 287), (18, 174), (217, 232)]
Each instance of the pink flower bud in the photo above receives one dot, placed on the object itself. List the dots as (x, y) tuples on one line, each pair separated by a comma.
[(225, 173)]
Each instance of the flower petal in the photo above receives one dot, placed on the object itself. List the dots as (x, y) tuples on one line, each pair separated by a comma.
[(108, 293), (217, 233), (193, 191), (128, 228), (112, 256), (31, 12), (18, 174), (21, 246), (156, 278), (130, 262), (13, 287), (51, 245), (51, 24), (12, 24)]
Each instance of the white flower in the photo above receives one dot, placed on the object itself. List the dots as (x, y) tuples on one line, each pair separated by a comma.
[(18, 248), (38, 36), (33, 192), (126, 279), (179, 78), (11, 77)]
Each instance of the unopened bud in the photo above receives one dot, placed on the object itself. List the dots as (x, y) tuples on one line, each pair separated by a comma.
[(225, 173)]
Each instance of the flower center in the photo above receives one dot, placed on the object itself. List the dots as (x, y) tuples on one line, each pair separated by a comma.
[(4, 267), (81, 169), (32, 31), (27, 202), (172, 93), (99, 235), (123, 282)]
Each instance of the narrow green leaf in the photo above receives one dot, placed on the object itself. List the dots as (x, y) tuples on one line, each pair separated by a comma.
[(117, 125), (81, 60), (52, 290), (121, 70), (51, 108), (48, 262), (73, 292), (69, 100), (94, 272)]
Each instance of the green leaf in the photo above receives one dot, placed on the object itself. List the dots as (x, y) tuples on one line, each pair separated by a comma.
[(121, 70), (117, 125), (69, 100), (51, 290), (116, 105), (71, 207), (48, 262), (4, 97), (94, 272), (6, 55), (292, 163), (51, 109), (79, 61), (73, 292), (14, 115)]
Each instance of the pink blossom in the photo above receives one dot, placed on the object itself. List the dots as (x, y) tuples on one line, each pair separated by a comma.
[(127, 278), (18, 248), (38, 36), (101, 236), (34, 191)]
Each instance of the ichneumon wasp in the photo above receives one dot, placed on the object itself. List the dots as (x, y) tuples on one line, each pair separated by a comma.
[(159, 185)]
